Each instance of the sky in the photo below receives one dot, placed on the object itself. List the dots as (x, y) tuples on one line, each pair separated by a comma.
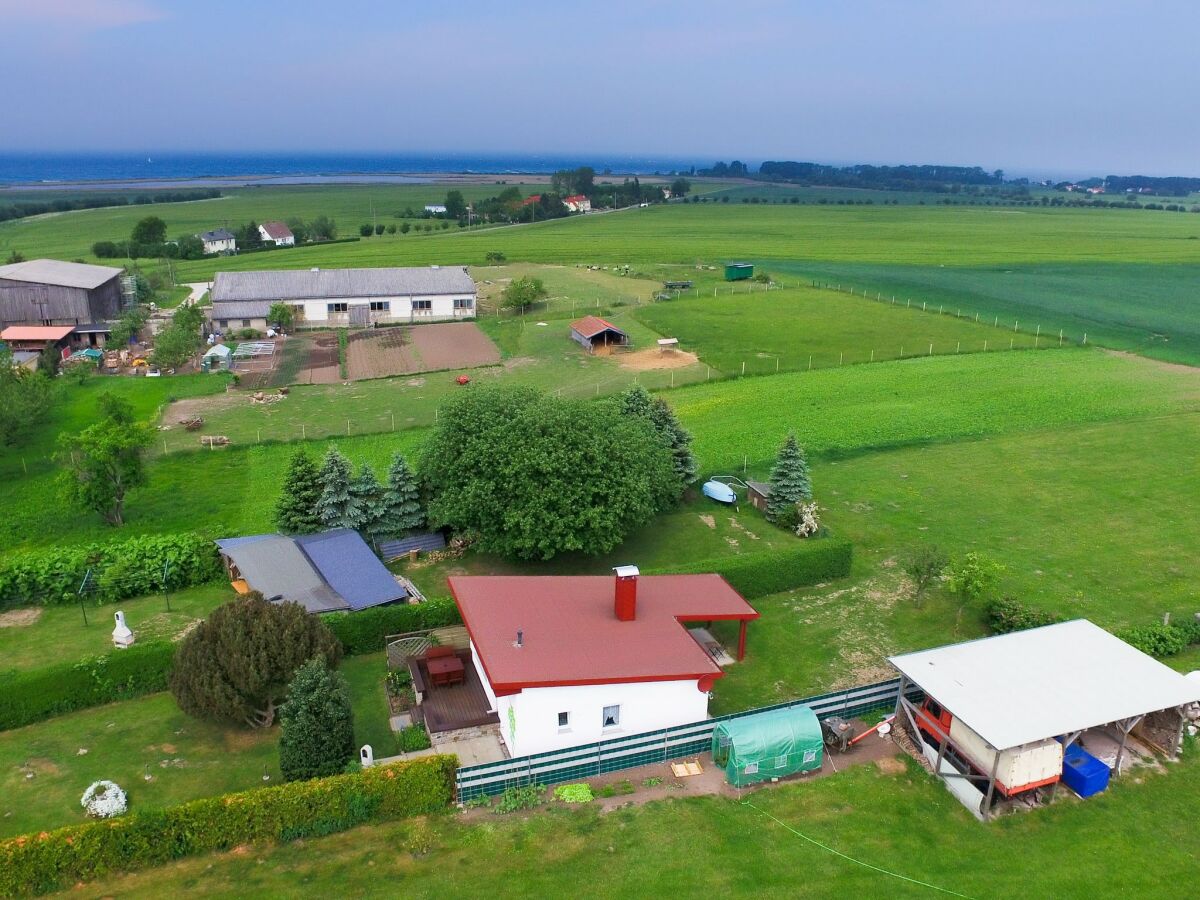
[(1080, 86)]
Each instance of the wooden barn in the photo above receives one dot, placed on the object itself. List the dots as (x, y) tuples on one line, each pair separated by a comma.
[(593, 332), (53, 292)]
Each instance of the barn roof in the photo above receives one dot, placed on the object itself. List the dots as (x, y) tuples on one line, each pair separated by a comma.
[(590, 326), (316, 284), (1018, 688), (36, 332), (571, 634), (57, 272)]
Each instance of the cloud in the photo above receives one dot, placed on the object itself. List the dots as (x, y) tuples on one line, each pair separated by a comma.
[(79, 15)]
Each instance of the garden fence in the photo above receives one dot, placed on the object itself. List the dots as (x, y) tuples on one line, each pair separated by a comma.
[(631, 751)]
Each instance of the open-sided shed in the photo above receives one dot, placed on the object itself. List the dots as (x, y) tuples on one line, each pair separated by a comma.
[(1011, 703), (768, 745), (593, 332)]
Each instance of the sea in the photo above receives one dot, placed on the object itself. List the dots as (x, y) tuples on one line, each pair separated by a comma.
[(59, 171)]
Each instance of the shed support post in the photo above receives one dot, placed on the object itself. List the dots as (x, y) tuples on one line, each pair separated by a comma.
[(1178, 745), (1125, 728), (899, 700), (987, 802), (741, 651)]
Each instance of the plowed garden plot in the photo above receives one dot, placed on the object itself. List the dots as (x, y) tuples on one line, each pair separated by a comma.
[(420, 348), (321, 366)]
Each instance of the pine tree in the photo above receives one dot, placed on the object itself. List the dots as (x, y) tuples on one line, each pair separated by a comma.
[(317, 737), (401, 503), (296, 511), (790, 482), (337, 506), (637, 401), (368, 493)]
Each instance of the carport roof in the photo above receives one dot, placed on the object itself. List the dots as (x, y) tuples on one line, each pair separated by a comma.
[(1017, 688)]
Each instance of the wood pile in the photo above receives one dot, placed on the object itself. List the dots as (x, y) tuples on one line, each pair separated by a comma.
[(192, 424), (214, 440)]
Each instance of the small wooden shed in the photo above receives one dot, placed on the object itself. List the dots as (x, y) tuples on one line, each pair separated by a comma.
[(758, 492), (592, 332)]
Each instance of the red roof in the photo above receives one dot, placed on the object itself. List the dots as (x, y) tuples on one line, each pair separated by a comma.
[(277, 230), (36, 332), (532, 198), (575, 198), (571, 634), (590, 326)]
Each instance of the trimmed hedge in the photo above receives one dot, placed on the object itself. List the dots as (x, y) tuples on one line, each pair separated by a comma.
[(30, 696), (1009, 614), (363, 632), (755, 575), (35, 864), (120, 569)]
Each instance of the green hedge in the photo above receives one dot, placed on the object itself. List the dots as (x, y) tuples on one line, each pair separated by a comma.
[(755, 575), (363, 632), (43, 862), (1009, 614), (120, 569), (36, 694), (1162, 640)]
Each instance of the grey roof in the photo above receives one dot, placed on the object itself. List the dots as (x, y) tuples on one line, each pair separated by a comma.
[(318, 284), (94, 328), (220, 234), (326, 572), (762, 487), (240, 309), (1015, 689), (55, 271)]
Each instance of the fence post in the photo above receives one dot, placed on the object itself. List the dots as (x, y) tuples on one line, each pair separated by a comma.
[(166, 574)]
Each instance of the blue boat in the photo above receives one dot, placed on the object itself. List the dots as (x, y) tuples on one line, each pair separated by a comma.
[(716, 490)]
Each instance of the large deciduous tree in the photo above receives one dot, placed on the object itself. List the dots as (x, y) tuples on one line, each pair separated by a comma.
[(25, 399), (337, 507), (532, 476), (105, 461), (296, 511), (401, 507), (790, 483), (150, 230), (236, 665), (523, 292), (317, 723)]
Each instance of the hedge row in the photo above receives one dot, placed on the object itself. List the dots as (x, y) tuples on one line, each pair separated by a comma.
[(120, 569), (1158, 639), (43, 862), (37, 694), (755, 575), (364, 632)]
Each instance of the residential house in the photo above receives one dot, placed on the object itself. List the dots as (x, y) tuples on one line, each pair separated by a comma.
[(222, 240), (578, 203), (276, 233)]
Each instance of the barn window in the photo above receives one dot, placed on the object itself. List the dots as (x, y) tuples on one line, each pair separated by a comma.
[(463, 303), (612, 717), (381, 306), (422, 304), (337, 307)]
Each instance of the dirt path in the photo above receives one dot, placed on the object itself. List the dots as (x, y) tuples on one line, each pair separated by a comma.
[(1157, 363)]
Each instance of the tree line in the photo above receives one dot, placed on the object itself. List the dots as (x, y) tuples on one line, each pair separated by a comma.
[(148, 239), (24, 208)]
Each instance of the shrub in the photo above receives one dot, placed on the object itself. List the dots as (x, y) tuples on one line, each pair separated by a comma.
[(413, 737), (1162, 639), (973, 576), (759, 574), (1010, 614), (38, 694), (53, 575), (302, 809), (573, 793), (923, 567), (364, 631), (517, 798)]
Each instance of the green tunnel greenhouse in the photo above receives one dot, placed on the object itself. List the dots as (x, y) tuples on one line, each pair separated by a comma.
[(768, 745)]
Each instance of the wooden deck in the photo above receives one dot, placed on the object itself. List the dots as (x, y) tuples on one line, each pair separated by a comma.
[(459, 706)]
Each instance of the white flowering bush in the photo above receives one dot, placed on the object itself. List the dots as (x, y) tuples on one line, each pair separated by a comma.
[(104, 799), (806, 516)]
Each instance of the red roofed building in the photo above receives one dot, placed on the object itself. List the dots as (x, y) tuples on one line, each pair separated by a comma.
[(276, 233), (593, 331), (531, 199), (577, 203), (574, 659)]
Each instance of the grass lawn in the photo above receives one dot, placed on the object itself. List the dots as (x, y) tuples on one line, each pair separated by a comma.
[(902, 823), (799, 328), (59, 634), (365, 675)]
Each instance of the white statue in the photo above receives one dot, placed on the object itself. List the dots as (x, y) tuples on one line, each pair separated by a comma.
[(122, 636)]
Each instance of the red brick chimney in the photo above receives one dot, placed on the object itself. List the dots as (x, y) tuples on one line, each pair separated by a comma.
[(626, 596)]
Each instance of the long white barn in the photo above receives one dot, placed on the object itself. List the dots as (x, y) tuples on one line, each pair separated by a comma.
[(334, 297)]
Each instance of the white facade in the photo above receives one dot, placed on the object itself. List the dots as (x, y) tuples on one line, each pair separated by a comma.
[(529, 720), (578, 204), (287, 240), (436, 208), (414, 308), (227, 245)]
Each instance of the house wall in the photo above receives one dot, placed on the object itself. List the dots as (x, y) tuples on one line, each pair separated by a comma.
[(226, 246), (228, 326), (278, 242), (316, 312)]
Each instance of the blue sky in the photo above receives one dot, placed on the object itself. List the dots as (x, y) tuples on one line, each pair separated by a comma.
[(1056, 85)]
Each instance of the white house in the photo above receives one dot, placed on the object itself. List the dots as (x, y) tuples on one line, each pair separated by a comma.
[(577, 203), (221, 240), (576, 659), (334, 297), (277, 233), (436, 209)]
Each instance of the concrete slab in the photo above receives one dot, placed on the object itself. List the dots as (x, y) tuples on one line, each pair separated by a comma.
[(400, 722), (474, 750)]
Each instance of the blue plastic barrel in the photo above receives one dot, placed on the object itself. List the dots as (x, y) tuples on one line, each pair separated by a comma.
[(1083, 773)]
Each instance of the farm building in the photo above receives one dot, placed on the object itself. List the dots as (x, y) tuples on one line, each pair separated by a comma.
[(52, 292), (570, 660), (221, 240), (593, 332), (757, 492), (325, 572), (738, 271), (1005, 716), (577, 203), (36, 338), (332, 297), (276, 233)]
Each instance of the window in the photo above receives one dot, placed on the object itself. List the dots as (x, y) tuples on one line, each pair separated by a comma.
[(224, 323), (381, 306), (337, 307), (612, 717), (245, 323), (463, 303), (564, 720), (419, 305)]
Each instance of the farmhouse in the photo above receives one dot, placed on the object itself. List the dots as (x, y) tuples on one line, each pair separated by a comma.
[(329, 297), (435, 209), (577, 203), (1007, 715), (573, 659), (221, 240), (52, 292), (593, 332), (325, 572), (276, 233)]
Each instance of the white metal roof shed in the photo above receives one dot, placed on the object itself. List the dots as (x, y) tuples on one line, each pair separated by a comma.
[(1017, 688)]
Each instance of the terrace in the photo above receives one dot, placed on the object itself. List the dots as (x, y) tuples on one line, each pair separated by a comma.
[(450, 706)]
